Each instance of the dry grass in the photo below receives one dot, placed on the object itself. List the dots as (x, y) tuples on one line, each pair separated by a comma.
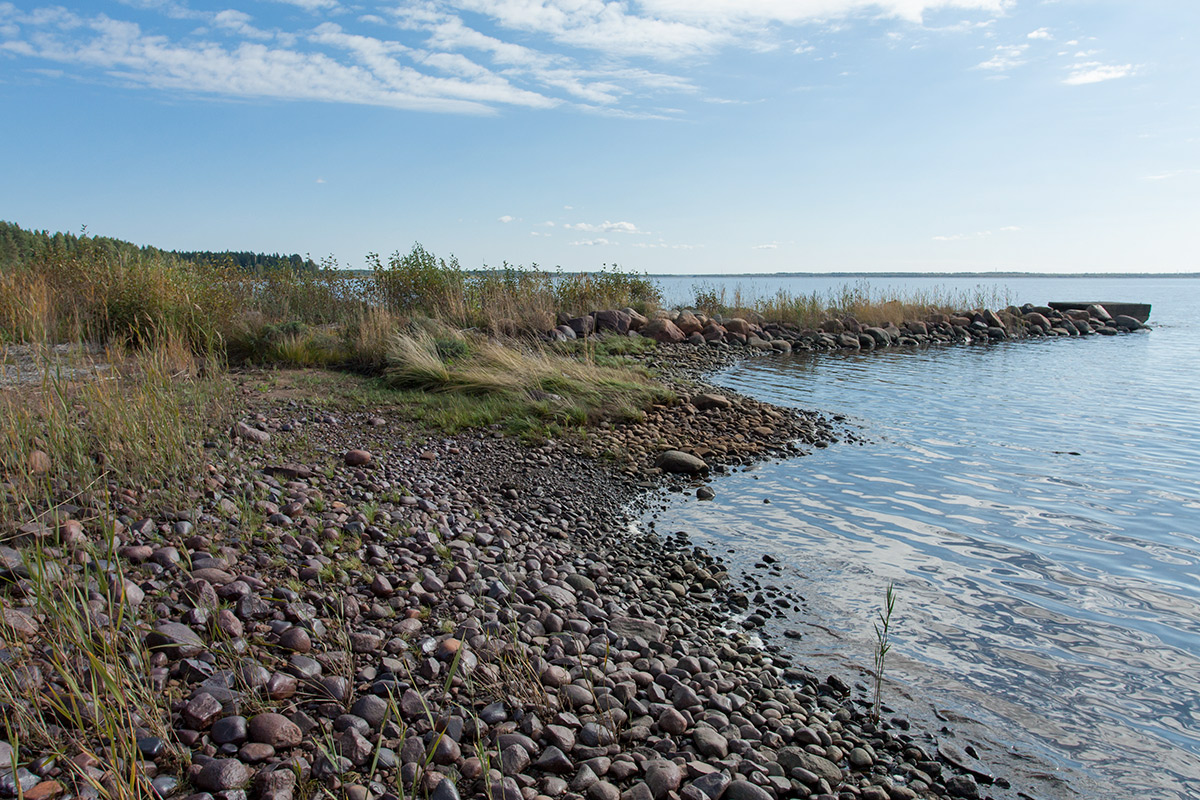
[(865, 303), (468, 380), (93, 692), (143, 419), (68, 442)]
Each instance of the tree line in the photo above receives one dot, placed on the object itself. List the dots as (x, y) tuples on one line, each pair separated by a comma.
[(19, 246)]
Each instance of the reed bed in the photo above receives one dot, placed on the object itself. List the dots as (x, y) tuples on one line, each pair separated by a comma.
[(869, 305)]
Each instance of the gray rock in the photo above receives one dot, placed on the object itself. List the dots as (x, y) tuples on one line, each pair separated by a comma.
[(354, 746), (175, 639), (229, 730), (709, 743), (637, 628), (603, 790), (243, 431), (745, 790), (201, 711), (962, 786), (957, 757), (791, 757), (671, 721), (223, 774), (662, 777), (708, 787), (275, 730), (371, 708), (554, 760), (679, 462)]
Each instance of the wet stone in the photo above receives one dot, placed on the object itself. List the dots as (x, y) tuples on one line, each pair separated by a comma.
[(151, 747), (229, 730)]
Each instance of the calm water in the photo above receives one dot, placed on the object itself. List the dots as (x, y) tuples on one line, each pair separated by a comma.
[(1037, 505)]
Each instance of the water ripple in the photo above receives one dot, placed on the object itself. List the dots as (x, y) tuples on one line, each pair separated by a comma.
[(1057, 592)]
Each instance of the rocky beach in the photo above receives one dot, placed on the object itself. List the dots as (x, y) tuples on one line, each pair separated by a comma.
[(350, 606)]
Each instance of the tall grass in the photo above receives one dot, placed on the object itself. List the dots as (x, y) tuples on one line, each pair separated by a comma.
[(145, 417), (78, 680), (465, 380), (98, 294), (508, 300), (868, 304)]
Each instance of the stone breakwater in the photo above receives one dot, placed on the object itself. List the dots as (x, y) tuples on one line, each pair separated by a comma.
[(691, 327), (346, 606)]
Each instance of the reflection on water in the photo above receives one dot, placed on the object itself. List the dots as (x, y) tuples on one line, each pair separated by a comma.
[(1039, 512)]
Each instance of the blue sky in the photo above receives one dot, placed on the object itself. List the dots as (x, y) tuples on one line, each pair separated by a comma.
[(670, 136)]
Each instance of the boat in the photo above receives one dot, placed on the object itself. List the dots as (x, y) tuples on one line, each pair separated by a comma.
[(1139, 311)]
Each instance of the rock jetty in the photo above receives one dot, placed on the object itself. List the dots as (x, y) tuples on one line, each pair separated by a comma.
[(847, 333)]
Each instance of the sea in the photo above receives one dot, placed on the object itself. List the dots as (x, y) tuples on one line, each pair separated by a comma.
[(1035, 506)]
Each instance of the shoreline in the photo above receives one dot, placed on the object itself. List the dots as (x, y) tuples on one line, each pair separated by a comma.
[(466, 569)]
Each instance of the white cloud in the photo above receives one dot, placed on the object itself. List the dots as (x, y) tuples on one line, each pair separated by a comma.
[(564, 53), (239, 23), (1095, 72), (1040, 33), (597, 242), (771, 246), (1166, 176), (507, 218), (961, 237), (320, 180), (312, 5), (793, 12), (604, 227), (1006, 57), (375, 74)]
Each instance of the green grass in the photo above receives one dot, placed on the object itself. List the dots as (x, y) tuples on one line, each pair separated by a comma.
[(455, 381)]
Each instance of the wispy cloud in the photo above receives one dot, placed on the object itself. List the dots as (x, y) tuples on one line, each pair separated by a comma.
[(599, 241), (1096, 72), (507, 218), (1005, 57), (962, 237), (1040, 33), (1166, 176), (605, 227), (601, 57), (770, 246)]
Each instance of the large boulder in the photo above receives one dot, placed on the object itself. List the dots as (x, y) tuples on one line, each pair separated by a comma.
[(688, 323), (738, 326), (636, 320), (881, 337), (663, 331), (617, 321), (583, 326), (1127, 323), (1037, 320), (681, 463)]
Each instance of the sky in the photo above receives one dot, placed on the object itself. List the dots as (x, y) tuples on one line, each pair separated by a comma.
[(664, 136)]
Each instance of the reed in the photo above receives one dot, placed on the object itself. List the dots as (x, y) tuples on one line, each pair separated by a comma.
[(867, 304)]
